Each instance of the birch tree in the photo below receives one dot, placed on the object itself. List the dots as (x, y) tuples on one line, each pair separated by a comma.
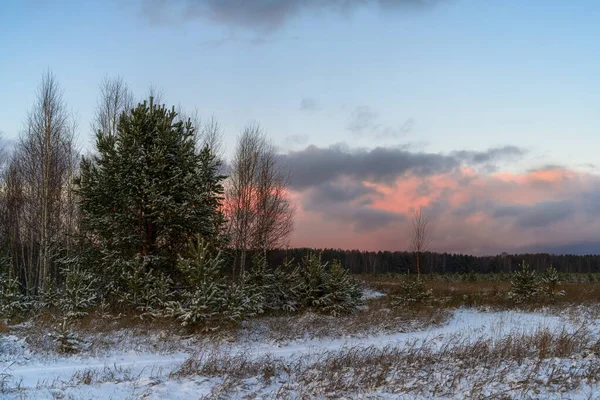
[(258, 206)]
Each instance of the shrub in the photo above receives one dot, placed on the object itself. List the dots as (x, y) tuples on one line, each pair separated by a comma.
[(330, 290), (550, 283), (13, 303), (412, 291), (205, 294), (524, 285)]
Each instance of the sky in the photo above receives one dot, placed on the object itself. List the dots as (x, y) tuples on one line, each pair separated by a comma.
[(484, 113)]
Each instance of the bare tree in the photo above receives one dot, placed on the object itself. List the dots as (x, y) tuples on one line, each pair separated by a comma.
[(115, 97), (258, 207), (38, 184), (420, 237), (208, 133)]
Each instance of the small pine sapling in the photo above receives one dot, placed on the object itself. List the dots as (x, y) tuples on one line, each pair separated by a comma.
[(550, 283), (524, 284), (344, 292), (413, 291), (13, 303), (205, 294)]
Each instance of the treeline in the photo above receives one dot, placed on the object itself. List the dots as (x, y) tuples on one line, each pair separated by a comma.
[(155, 179), (150, 221), (380, 262)]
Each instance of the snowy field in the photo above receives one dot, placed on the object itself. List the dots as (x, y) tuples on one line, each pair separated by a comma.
[(474, 354)]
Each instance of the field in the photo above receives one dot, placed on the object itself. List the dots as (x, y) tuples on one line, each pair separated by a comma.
[(470, 341)]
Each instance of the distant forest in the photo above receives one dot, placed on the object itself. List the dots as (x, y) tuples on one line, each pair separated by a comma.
[(370, 262)]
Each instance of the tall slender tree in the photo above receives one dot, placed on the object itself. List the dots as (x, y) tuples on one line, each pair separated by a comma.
[(259, 210), (38, 186)]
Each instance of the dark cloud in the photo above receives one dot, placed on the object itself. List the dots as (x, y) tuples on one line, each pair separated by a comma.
[(313, 165), (536, 215), (546, 213), (349, 202), (308, 104), (338, 192), (262, 15)]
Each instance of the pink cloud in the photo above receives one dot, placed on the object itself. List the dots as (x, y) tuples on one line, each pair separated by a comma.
[(470, 212)]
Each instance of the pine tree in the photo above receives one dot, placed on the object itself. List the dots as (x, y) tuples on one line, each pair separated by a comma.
[(13, 303), (344, 292), (524, 284), (205, 294), (147, 191), (550, 283)]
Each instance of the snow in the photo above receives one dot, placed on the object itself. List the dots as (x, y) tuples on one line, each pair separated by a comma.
[(123, 373)]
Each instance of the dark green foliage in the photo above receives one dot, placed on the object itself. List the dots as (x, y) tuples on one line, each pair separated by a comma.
[(328, 289), (413, 291), (276, 288), (524, 285), (148, 190), (66, 341), (344, 292), (551, 282), (205, 293), (142, 288), (13, 303)]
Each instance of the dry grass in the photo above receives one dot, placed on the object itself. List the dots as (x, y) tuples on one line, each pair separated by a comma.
[(486, 293), (376, 316), (515, 366)]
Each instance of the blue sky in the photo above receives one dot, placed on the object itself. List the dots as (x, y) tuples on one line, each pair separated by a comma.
[(441, 77), (468, 73)]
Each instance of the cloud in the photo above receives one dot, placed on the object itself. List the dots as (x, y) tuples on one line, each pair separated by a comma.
[(262, 15), (313, 165), (364, 121), (493, 154), (362, 198), (308, 104), (295, 140), (349, 202)]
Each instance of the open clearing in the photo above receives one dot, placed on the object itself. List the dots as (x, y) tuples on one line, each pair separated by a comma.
[(550, 352)]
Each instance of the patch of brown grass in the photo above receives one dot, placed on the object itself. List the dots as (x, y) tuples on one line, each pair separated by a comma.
[(486, 293)]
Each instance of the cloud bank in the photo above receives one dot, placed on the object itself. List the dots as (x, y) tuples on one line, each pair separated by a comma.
[(362, 198)]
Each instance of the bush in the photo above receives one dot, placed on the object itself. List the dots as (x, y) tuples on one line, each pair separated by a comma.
[(413, 291), (524, 285), (65, 340), (141, 288), (13, 303), (205, 293), (550, 283), (330, 290)]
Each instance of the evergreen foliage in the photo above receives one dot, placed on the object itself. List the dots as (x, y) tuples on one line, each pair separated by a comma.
[(413, 291), (344, 292), (13, 303), (205, 294), (147, 191), (550, 283), (80, 292), (66, 341), (524, 284), (327, 289)]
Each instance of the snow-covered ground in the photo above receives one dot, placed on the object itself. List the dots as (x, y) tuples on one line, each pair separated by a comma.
[(263, 369)]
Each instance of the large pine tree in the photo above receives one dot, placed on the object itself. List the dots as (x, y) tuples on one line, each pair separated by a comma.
[(149, 189)]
